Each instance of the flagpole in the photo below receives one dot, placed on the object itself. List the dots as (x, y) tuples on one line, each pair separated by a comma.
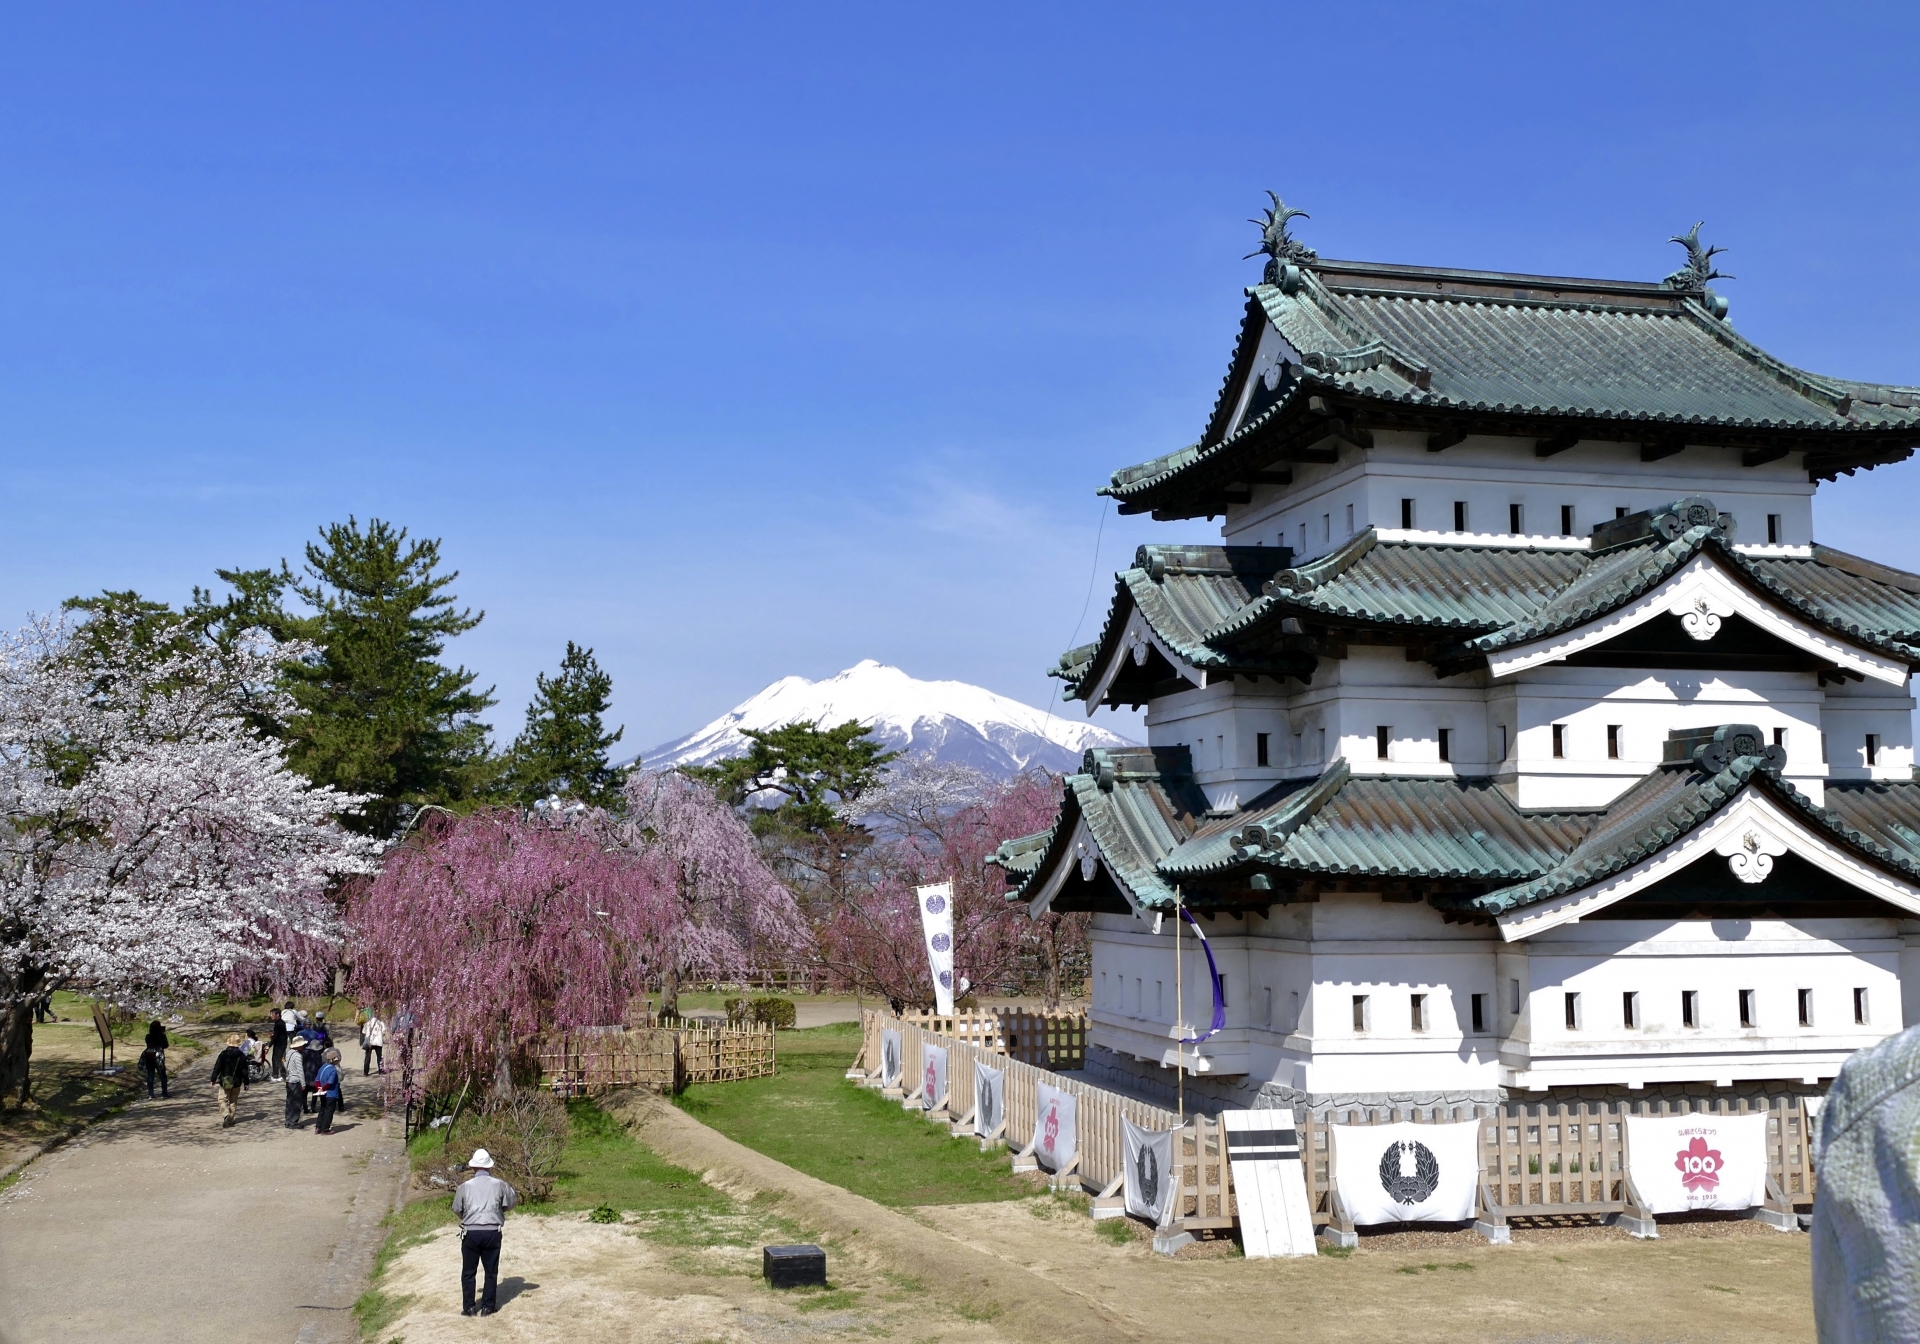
[(1180, 1018)]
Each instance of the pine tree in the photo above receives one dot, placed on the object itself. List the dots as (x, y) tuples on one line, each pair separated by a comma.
[(378, 712), (563, 749)]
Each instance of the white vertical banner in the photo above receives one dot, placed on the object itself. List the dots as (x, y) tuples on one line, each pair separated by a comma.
[(1680, 1163), (1269, 1183), (1056, 1129), (989, 1099), (1149, 1169), (933, 1079), (936, 922)]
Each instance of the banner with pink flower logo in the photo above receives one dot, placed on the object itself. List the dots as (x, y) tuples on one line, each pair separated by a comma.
[(1681, 1163), (933, 1080), (936, 922), (1056, 1131)]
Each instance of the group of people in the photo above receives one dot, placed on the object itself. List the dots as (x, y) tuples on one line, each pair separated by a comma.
[(299, 1053)]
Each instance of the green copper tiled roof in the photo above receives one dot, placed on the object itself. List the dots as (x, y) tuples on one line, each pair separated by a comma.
[(1468, 600), (1384, 827), (1677, 798), (1149, 821), (1183, 592), (1609, 359)]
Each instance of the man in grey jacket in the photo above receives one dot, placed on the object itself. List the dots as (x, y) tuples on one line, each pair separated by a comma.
[(481, 1205), (1866, 1212), (295, 1070)]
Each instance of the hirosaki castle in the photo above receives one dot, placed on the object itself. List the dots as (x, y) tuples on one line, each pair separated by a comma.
[(1515, 737)]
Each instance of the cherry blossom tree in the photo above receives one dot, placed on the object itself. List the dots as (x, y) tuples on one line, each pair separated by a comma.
[(488, 930), (936, 822), (150, 836), (729, 910)]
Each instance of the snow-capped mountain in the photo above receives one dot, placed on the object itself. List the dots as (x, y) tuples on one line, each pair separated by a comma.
[(955, 721)]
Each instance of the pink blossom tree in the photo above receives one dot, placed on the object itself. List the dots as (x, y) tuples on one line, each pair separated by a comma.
[(935, 823), (728, 910), (488, 930)]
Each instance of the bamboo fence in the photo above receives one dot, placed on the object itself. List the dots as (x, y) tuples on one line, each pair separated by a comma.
[(597, 1059), (1537, 1159)]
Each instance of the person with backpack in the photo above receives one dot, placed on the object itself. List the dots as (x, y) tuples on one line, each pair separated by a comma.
[(278, 1044), (312, 1056), (294, 1074), (153, 1060), (230, 1076), (326, 1086), (481, 1205)]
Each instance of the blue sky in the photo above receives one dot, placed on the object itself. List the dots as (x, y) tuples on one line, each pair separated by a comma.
[(740, 341)]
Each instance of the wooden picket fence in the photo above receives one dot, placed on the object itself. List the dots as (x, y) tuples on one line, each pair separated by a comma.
[(1538, 1160), (598, 1059), (1102, 1155), (1047, 1040)]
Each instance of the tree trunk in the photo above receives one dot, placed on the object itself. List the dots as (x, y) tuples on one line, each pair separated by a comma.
[(1050, 961), (17, 994), (670, 992), (502, 1065)]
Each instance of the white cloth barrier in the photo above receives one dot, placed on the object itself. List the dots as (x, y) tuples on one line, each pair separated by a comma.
[(1681, 1163), (1407, 1173), (989, 1099), (1149, 1174), (890, 1058), (933, 1078), (1055, 1127)]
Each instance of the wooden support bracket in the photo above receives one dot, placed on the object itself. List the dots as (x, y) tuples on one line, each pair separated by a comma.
[(964, 1123), (1778, 1212), (1339, 1229), (1489, 1221), (1058, 1181), (994, 1139), (1637, 1220), (1024, 1160)]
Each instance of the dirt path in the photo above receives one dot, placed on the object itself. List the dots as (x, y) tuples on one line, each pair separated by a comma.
[(158, 1224), (1044, 1273)]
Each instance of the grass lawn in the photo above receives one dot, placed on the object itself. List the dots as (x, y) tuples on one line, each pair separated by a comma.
[(810, 1117)]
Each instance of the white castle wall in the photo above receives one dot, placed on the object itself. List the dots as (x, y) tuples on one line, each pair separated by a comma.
[(1292, 979)]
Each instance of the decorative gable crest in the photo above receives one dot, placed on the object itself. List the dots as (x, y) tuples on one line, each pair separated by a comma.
[(1284, 253)]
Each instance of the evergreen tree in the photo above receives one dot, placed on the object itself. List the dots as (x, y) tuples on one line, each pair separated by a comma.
[(378, 712), (820, 770), (563, 748)]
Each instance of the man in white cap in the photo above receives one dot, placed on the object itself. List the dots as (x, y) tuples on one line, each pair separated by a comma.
[(481, 1205)]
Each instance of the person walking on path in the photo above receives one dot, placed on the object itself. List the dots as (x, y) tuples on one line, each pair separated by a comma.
[(278, 1044), (153, 1060), (373, 1040), (481, 1205), (326, 1086), (294, 1074), (311, 1058), (230, 1075), (318, 1033)]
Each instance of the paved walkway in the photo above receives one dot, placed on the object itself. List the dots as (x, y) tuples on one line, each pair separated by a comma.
[(159, 1224)]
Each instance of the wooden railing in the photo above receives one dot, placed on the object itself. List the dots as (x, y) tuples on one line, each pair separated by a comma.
[(1537, 1159), (1048, 1040), (1102, 1150)]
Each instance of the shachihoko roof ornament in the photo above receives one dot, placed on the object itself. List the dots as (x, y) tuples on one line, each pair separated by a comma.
[(1283, 252), (1692, 277)]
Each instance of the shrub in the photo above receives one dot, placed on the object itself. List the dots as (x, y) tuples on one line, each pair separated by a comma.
[(604, 1213), (774, 1012)]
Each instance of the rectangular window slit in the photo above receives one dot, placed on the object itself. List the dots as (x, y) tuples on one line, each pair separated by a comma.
[(1459, 515), (1260, 748), (1419, 1012), (1515, 519), (1860, 1007), (1747, 1018), (1406, 514), (1559, 741), (1873, 748), (1630, 1010), (1690, 1008), (1774, 530), (1359, 1013), (1479, 1013), (1513, 989), (1806, 1007), (1573, 1012), (1566, 520), (1382, 740), (1613, 741), (1446, 744)]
